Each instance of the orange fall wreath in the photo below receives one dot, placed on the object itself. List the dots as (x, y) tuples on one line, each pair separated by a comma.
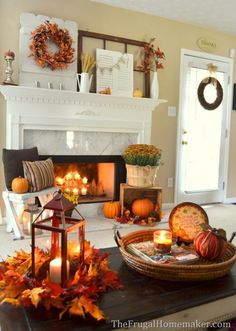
[(39, 47)]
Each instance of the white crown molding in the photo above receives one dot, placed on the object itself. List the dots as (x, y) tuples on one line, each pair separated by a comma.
[(22, 94)]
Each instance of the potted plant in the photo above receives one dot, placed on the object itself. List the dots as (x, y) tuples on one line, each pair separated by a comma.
[(142, 162)]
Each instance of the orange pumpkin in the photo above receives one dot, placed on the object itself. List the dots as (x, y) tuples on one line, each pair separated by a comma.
[(138, 93), (211, 244), (20, 185), (142, 207), (111, 209)]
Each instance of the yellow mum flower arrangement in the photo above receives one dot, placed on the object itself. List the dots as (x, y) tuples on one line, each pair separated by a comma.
[(142, 155)]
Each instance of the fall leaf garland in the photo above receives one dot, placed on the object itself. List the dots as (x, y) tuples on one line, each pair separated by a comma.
[(90, 279), (39, 48)]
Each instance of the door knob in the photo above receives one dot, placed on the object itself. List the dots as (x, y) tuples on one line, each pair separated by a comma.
[(184, 142)]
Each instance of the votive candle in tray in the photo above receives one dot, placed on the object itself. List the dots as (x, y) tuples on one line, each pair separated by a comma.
[(162, 240)]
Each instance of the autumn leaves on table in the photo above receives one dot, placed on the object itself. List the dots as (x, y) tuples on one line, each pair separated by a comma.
[(64, 274), (17, 286)]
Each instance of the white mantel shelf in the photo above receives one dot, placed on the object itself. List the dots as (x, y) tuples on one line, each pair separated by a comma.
[(49, 112), (40, 95)]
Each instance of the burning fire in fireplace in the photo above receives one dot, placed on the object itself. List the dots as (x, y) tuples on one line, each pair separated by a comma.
[(82, 182), (74, 184), (89, 178)]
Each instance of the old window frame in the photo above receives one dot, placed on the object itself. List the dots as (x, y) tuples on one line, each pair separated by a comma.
[(125, 41)]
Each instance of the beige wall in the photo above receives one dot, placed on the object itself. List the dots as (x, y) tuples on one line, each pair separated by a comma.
[(171, 37)]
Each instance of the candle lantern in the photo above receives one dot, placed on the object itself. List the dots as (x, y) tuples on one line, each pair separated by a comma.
[(60, 227), (29, 215), (162, 240)]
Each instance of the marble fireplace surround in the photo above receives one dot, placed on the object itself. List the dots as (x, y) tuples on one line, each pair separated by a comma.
[(73, 123)]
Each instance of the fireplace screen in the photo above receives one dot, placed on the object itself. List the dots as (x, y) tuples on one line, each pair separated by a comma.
[(91, 178)]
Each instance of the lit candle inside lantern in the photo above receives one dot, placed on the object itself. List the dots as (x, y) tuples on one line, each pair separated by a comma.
[(75, 191), (55, 270), (85, 180), (67, 190), (77, 250), (83, 191), (162, 240)]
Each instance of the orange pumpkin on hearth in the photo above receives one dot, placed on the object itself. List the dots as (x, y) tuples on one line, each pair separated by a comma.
[(20, 185), (111, 209), (142, 207)]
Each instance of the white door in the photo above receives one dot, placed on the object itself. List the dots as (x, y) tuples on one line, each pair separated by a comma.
[(203, 124)]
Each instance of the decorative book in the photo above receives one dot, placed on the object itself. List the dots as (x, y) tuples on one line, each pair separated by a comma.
[(147, 251)]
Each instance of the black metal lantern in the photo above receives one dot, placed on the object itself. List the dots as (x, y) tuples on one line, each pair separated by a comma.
[(59, 224)]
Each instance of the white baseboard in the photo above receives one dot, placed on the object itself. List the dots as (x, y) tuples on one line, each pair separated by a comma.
[(230, 200), (171, 205), (168, 205)]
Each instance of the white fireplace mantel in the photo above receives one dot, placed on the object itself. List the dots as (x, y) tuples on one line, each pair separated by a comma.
[(55, 110), (21, 94), (71, 123)]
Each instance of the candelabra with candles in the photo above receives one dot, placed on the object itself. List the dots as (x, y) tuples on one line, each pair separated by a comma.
[(73, 183)]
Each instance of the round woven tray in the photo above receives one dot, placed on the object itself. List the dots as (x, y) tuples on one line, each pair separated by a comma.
[(199, 270)]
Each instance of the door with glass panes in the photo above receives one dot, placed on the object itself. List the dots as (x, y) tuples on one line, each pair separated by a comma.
[(204, 116)]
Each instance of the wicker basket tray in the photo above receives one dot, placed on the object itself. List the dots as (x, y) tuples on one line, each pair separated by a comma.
[(196, 271)]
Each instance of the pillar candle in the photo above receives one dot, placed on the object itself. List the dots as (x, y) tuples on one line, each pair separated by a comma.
[(55, 270), (83, 191)]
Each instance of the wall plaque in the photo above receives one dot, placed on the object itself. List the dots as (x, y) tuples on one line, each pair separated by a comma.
[(206, 44)]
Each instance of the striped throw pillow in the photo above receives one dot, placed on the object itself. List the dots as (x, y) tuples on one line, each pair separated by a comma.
[(40, 174)]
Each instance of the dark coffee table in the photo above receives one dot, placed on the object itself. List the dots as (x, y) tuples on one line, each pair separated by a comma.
[(143, 299)]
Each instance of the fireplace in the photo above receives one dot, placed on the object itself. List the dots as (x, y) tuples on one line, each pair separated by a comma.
[(94, 178), (86, 124)]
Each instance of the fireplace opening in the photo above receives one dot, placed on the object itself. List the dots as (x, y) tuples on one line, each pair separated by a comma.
[(93, 178)]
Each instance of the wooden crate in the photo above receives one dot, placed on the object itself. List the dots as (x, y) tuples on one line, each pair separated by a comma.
[(129, 193)]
